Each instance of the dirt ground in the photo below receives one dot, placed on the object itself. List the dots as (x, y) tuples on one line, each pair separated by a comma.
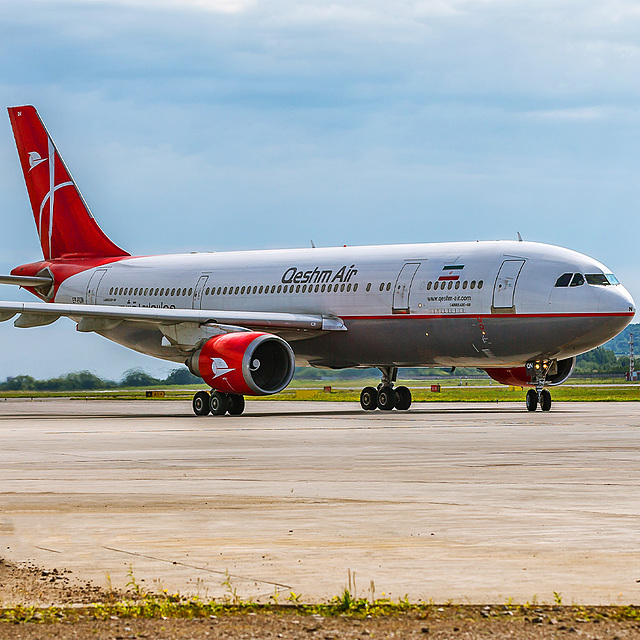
[(29, 585)]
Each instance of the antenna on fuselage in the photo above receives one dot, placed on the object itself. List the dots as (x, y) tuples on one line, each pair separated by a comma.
[(313, 246), (519, 236)]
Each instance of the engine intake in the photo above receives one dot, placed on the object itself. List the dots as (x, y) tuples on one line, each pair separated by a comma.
[(558, 373), (247, 363)]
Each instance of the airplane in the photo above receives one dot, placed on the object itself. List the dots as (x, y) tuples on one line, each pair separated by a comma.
[(242, 320)]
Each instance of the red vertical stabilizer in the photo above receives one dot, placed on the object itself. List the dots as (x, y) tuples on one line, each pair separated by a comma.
[(63, 220)]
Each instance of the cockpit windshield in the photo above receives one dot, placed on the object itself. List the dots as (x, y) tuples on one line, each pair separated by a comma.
[(577, 279), (596, 278)]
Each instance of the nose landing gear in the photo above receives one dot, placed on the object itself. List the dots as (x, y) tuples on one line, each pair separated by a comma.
[(385, 397), (217, 403), (537, 371)]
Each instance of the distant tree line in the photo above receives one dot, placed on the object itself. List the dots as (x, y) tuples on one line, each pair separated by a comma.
[(87, 381)]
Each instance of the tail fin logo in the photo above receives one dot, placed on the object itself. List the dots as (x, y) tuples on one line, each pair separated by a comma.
[(35, 159)]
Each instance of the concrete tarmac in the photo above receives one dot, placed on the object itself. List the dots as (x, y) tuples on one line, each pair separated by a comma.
[(463, 502)]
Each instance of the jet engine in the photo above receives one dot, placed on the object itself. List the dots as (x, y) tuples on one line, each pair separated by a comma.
[(246, 363), (558, 372)]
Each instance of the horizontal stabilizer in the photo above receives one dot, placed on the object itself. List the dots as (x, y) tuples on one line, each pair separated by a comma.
[(26, 281)]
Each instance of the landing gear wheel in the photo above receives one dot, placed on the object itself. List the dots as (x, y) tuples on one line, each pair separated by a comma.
[(386, 398), (545, 400), (219, 403), (200, 403), (403, 398), (369, 399), (236, 404), (532, 400)]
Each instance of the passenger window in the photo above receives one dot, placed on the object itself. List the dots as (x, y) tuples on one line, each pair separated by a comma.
[(388, 286), (564, 280), (428, 285), (111, 291), (342, 287), (450, 285), (480, 284), (260, 290), (382, 286), (349, 287), (355, 286), (465, 284), (317, 288), (368, 287), (304, 288), (273, 288), (457, 284), (279, 288), (473, 284), (578, 280), (323, 288), (298, 289)]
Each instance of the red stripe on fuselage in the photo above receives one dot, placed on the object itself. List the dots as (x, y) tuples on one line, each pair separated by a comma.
[(490, 315)]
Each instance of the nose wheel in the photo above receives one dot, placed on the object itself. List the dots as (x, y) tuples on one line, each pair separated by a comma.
[(217, 403), (539, 396), (386, 397)]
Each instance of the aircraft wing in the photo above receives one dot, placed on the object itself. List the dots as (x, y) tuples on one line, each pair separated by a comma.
[(98, 317)]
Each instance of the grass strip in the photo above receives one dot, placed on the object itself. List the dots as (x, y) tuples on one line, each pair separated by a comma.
[(175, 606)]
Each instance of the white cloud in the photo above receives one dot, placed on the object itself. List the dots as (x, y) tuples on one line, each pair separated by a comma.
[(346, 121)]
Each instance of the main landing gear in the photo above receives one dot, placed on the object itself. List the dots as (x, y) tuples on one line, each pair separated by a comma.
[(539, 396), (217, 403), (385, 397)]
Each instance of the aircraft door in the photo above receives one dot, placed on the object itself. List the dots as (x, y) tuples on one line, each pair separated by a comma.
[(402, 289), (504, 288), (198, 292), (92, 286)]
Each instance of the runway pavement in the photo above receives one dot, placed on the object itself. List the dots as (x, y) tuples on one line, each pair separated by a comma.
[(468, 502)]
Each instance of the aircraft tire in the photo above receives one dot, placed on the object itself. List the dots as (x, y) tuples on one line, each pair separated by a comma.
[(545, 400), (532, 400), (386, 398), (219, 403), (201, 403), (403, 398), (369, 399), (236, 404)]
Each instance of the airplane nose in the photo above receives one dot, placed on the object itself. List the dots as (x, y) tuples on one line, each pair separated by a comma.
[(616, 300)]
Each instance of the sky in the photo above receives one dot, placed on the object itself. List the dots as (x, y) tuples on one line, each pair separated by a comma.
[(240, 124)]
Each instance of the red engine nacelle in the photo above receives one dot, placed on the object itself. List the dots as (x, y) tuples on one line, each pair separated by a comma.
[(519, 377), (247, 363)]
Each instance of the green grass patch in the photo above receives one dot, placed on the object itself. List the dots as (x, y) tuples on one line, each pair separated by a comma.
[(175, 606), (421, 392)]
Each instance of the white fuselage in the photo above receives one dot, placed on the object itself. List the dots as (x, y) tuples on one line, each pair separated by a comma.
[(477, 304)]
